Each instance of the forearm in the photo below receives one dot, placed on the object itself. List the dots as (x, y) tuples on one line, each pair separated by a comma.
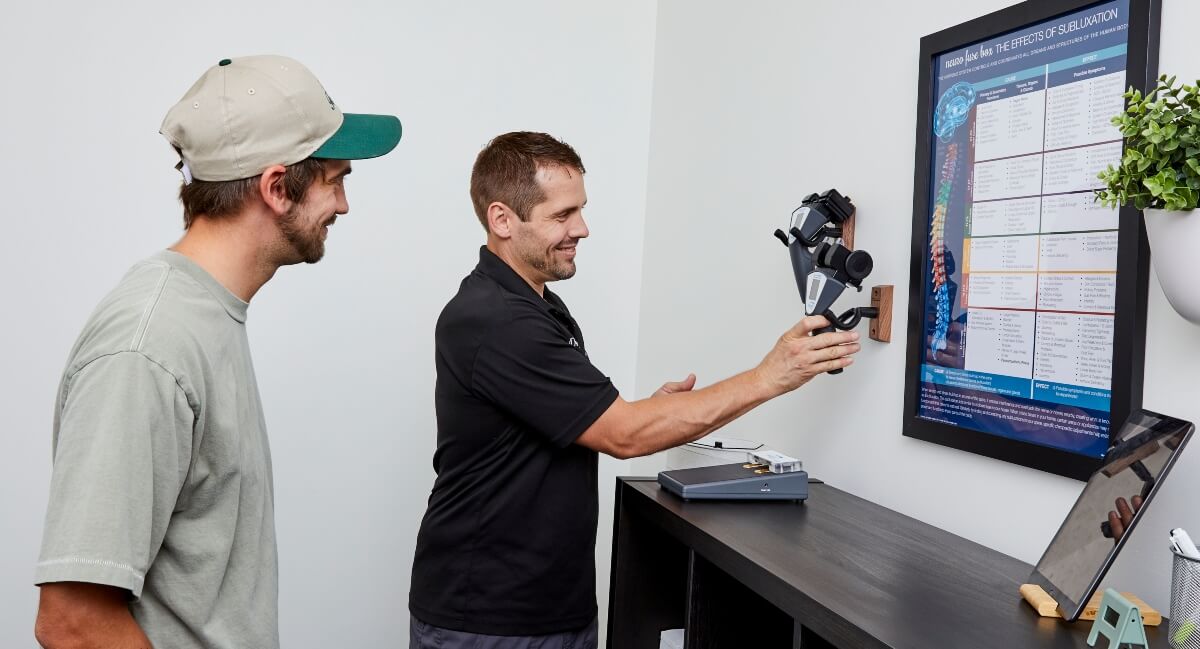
[(677, 414), (666, 421), (74, 615)]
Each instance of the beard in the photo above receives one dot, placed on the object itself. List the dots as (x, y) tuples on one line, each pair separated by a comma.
[(544, 260), (307, 244)]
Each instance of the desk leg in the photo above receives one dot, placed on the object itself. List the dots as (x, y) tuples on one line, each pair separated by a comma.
[(649, 580), (724, 614), (806, 639)]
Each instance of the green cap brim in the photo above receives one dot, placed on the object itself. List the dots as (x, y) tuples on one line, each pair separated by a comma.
[(361, 137)]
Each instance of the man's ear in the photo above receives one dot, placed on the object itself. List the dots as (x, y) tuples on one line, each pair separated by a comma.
[(500, 219), (271, 189)]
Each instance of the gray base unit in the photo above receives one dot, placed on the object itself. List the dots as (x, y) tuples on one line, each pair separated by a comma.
[(734, 482)]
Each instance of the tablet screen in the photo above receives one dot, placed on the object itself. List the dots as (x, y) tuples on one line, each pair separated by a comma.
[(1111, 503)]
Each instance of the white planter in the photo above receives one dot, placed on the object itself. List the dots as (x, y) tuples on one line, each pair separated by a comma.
[(1175, 252)]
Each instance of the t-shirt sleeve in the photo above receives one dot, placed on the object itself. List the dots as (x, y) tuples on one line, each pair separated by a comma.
[(121, 457), (527, 368)]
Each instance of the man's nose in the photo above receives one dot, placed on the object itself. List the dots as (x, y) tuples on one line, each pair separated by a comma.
[(578, 229)]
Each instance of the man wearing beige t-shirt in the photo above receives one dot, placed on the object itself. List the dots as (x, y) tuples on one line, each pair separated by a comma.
[(160, 529)]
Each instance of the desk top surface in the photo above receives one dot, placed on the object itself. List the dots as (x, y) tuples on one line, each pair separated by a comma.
[(878, 576)]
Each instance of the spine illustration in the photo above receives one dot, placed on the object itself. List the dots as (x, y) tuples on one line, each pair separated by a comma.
[(937, 248)]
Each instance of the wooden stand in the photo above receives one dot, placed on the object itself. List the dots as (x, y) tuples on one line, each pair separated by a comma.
[(1044, 604), (881, 325), (881, 296), (847, 227)]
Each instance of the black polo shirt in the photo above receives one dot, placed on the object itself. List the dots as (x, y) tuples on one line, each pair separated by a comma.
[(507, 545)]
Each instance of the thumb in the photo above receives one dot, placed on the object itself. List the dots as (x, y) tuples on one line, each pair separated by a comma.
[(684, 385), (672, 387)]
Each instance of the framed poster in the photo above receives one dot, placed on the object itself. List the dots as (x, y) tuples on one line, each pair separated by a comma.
[(1027, 299)]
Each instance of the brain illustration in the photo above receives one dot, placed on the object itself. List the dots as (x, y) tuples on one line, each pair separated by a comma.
[(952, 109)]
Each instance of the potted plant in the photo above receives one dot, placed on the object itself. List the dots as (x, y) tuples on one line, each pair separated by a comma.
[(1159, 174)]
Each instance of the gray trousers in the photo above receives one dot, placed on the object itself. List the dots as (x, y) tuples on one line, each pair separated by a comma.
[(427, 636)]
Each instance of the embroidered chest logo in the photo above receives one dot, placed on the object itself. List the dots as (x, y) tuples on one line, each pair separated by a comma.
[(574, 343)]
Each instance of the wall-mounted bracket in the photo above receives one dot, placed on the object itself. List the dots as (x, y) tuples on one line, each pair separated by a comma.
[(881, 324), (848, 230)]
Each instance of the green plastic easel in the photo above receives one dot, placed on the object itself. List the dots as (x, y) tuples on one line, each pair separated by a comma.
[(1119, 621)]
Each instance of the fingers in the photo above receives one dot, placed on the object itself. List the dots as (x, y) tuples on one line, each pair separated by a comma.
[(805, 327), (835, 352), (798, 356), (1119, 520), (833, 338), (1124, 511), (829, 346), (837, 363), (1114, 522), (808, 325), (831, 351)]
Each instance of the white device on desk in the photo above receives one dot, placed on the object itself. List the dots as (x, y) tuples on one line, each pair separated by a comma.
[(764, 475), (775, 461)]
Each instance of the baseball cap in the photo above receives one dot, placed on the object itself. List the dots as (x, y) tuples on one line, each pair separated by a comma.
[(252, 112)]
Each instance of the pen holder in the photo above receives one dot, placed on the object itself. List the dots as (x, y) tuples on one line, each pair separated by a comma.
[(1185, 603)]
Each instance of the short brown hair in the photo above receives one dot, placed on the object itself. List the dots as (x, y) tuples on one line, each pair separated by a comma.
[(216, 199), (505, 171)]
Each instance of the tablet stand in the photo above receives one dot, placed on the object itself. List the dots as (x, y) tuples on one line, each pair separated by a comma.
[(1046, 606)]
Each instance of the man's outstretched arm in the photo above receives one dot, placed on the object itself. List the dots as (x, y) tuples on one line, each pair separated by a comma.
[(631, 429)]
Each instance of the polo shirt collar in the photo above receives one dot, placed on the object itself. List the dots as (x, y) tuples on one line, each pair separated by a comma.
[(508, 279)]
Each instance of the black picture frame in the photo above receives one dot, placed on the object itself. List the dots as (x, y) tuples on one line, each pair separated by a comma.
[(1132, 256)]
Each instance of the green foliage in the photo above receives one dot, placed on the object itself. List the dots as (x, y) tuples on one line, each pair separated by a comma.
[(1160, 168)]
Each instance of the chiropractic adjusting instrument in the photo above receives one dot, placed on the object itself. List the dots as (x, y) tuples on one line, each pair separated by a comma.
[(822, 263)]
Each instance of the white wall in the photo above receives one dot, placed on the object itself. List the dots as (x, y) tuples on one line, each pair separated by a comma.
[(757, 104), (343, 350), (754, 105)]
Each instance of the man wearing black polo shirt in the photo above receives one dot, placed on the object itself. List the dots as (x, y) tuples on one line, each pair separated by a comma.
[(505, 554)]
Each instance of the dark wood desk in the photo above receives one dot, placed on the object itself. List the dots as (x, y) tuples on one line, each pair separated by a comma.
[(835, 571)]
